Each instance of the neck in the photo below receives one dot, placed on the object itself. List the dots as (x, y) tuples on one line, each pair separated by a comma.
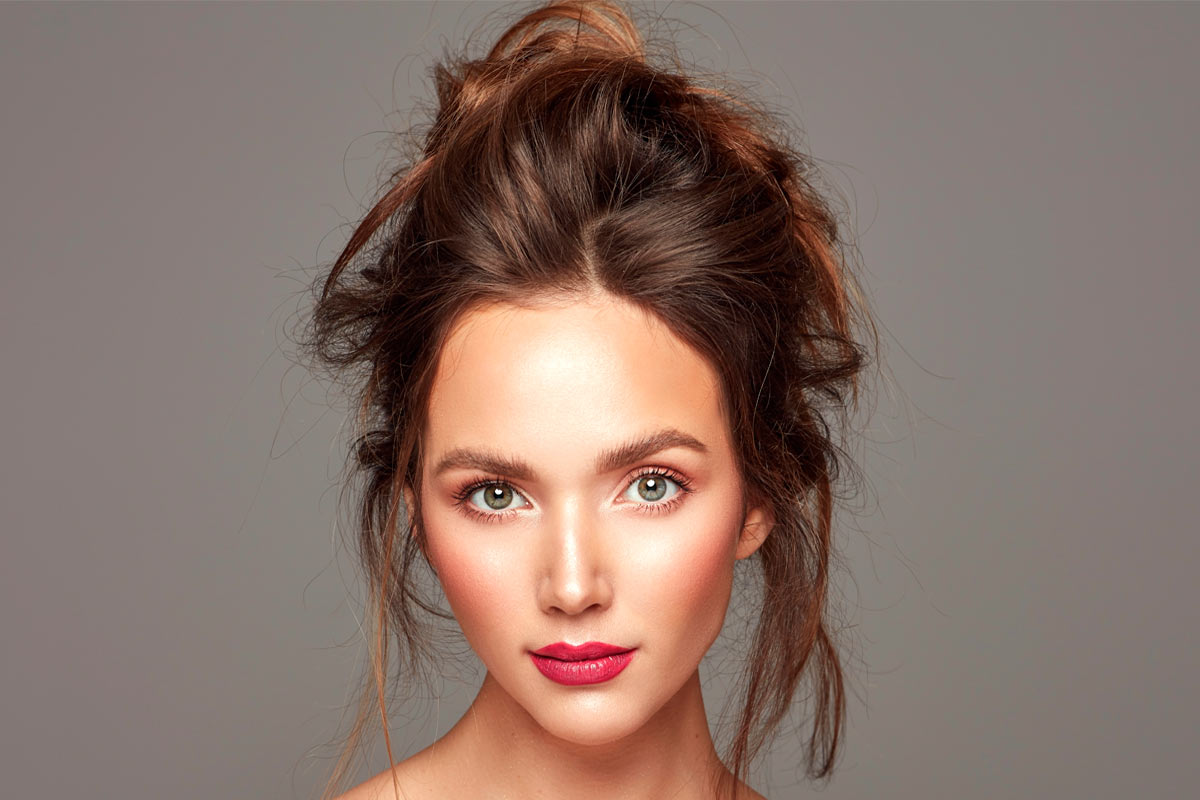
[(508, 754)]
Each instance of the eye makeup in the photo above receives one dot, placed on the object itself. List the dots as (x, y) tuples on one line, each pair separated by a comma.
[(463, 504)]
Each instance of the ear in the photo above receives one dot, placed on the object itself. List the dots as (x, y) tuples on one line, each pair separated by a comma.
[(409, 508), (758, 522), (409, 504)]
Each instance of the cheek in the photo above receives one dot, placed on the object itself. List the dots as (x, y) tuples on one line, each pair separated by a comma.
[(479, 580), (686, 581)]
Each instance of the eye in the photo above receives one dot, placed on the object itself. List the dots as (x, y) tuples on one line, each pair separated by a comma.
[(655, 488), (495, 497)]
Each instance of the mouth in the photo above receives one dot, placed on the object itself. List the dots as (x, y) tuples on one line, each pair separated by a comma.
[(576, 665)]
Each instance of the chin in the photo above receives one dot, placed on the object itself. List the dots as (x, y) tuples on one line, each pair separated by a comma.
[(594, 721), (585, 732)]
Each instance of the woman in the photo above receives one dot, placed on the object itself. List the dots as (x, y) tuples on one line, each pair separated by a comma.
[(599, 329)]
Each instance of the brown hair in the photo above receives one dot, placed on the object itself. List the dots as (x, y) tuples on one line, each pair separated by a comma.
[(563, 163)]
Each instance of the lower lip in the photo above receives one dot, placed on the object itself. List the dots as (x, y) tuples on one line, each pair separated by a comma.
[(579, 673)]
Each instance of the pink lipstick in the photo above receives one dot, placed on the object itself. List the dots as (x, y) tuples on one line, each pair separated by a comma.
[(576, 665)]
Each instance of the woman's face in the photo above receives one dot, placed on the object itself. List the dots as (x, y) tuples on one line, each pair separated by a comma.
[(580, 486)]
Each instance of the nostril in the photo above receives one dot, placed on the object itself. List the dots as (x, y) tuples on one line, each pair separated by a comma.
[(576, 596)]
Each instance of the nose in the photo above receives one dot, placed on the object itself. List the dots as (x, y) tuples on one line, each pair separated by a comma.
[(575, 578)]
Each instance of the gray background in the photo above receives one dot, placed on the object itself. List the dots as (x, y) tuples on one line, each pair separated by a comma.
[(177, 618)]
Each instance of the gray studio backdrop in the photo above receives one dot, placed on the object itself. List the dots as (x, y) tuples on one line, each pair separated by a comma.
[(177, 619)]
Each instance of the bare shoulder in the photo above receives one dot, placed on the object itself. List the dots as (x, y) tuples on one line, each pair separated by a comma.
[(405, 781), (746, 792)]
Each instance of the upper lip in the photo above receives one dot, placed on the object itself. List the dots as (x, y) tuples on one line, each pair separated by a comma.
[(580, 652)]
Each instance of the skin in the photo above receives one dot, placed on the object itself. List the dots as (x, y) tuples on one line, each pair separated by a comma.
[(578, 554)]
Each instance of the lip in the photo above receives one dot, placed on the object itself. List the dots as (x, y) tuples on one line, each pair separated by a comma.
[(577, 665), (580, 652)]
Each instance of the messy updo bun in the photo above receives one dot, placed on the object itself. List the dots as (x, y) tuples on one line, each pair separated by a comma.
[(565, 163)]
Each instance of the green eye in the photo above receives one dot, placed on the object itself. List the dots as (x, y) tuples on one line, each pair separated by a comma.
[(651, 487), (497, 497)]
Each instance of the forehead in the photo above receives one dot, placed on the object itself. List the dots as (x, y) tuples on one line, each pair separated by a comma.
[(557, 383)]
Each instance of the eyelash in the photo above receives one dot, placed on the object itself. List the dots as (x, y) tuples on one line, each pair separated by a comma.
[(463, 494)]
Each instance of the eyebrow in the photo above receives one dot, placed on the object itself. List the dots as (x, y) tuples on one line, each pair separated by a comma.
[(611, 459)]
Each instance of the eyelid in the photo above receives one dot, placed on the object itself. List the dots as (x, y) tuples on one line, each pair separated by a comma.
[(683, 482), (463, 495)]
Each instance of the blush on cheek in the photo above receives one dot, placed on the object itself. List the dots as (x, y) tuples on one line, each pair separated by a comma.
[(711, 571), (693, 577), (472, 578)]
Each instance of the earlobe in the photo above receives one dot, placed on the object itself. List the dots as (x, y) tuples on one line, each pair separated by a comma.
[(410, 510), (757, 526), (409, 499), (408, 505)]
